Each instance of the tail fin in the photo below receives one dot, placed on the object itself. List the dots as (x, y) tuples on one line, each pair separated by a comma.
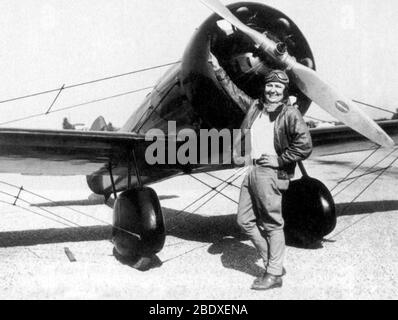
[(99, 124)]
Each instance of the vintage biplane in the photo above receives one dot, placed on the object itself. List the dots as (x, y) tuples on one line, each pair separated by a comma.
[(258, 38)]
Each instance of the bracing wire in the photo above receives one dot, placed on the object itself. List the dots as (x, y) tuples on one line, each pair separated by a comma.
[(374, 107), (239, 173), (217, 192), (207, 185), (72, 209), (367, 172), (359, 194), (358, 102), (45, 210), (186, 252), (76, 105), (88, 82), (353, 170), (320, 120), (363, 174), (34, 212), (64, 87), (215, 177)]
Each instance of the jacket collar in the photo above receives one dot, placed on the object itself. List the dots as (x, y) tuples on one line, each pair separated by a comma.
[(278, 111), (257, 107)]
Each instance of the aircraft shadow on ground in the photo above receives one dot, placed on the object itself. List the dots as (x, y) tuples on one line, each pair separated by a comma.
[(237, 256), (220, 231), (83, 202), (365, 207), (226, 238), (186, 225), (91, 201), (54, 235)]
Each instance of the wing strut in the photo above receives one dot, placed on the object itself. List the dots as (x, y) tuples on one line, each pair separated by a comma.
[(132, 161), (112, 179), (17, 197), (137, 173)]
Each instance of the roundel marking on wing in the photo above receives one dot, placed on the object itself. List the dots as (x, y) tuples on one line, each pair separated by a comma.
[(342, 107)]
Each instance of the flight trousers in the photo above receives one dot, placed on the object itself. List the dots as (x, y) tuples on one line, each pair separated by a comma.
[(260, 215)]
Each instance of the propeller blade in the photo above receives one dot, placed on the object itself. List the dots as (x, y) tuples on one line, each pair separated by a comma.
[(340, 107), (260, 39), (309, 82), (223, 12)]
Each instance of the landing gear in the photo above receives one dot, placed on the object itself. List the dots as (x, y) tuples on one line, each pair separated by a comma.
[(139, 231), (309, 210), (138, 225)]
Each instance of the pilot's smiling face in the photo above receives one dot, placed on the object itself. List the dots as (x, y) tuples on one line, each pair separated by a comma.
[(274, 92)]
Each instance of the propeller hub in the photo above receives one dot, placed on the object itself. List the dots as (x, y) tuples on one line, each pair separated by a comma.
[(280, 49)]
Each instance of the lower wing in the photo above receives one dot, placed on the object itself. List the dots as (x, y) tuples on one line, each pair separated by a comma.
[(342, 139), (71, 152)]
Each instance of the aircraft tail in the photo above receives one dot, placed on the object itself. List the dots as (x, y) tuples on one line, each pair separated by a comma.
[(100, 124)]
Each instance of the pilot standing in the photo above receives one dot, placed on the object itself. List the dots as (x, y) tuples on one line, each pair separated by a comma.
[(279, 139)]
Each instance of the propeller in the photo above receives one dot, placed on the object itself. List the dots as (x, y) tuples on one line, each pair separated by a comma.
[(309, 82)]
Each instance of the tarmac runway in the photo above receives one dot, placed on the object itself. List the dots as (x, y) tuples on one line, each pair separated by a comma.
[(205, 255)]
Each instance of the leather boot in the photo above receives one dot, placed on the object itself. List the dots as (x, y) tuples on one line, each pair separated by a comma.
[(266, 282), (260, 278)]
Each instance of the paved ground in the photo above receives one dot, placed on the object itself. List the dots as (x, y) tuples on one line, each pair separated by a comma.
[(204, 256)]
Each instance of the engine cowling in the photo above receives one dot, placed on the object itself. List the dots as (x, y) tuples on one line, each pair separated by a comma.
[(243, 62)]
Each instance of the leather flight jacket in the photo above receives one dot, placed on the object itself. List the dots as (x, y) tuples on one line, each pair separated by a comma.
[(292, 139)]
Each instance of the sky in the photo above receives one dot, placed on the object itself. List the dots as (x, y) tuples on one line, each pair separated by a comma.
[(45, 44)]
